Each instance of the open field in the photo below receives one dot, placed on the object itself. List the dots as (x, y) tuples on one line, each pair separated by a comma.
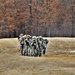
[(59, 58)]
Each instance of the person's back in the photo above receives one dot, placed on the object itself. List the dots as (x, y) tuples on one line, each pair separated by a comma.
[(28, 44), (40, 41), (21, 44), (45, 42)]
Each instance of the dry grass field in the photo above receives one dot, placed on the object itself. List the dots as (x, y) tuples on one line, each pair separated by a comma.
[(59, 58)]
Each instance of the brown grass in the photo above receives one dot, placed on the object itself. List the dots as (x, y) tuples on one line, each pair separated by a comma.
[(57, 61)]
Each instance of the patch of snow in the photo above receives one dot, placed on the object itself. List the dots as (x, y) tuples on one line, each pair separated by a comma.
[(72, 51)]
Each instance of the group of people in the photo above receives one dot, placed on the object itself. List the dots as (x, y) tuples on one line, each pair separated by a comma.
[(32, 45)]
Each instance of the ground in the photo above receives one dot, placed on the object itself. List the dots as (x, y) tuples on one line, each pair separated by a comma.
[(59, 58)]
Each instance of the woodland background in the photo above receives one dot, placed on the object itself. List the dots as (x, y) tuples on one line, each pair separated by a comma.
[(55, 18)]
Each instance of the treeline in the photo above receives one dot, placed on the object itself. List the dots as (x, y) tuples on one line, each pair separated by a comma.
[(37, 17)]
